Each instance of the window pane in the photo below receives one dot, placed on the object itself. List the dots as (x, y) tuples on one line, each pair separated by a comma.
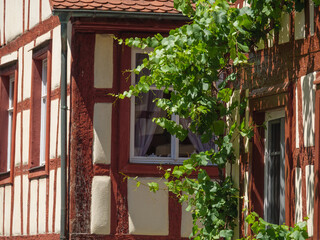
[(149, 138)]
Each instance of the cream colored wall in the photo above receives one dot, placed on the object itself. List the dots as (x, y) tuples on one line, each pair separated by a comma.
[(31, 209), (298, 195), (16, 222), (310, 197), (299, 25), (103, 61), (148, 211), (284, 33), (101, 205), (308, 108), (102, 119), (17, 17)]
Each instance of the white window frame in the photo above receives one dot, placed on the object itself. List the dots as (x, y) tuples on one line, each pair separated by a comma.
[(174, 141), (271, 116), (43, 127), (10, 119)]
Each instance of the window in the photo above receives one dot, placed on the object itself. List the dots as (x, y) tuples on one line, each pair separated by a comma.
[(274, 200), (39, 107), (6, 118), (149, 142)]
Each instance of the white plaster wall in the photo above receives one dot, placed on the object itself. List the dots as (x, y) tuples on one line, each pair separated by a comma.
[(311, 17), (14, 19), (102, 133), (297, 119), (20, 71), (186, 221), (45, 9), (1, 24), (27, 70), (284, 33), (53, 127), (299, 25), (25, 203), (33, 207), (17, 150), (58, 202), (148, 211), (9, 57), (56, 58), (103, 61), (1, 210), (51, 199), (308, 108), (16, 223), (270, 38), (25, 136), (298, 195), (100, 205), (7, 210), (26, 16), (34, 16), (310, 197), (42, 206), (43, 38)]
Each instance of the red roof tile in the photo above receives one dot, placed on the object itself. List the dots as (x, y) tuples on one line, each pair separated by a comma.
[(155, 6)]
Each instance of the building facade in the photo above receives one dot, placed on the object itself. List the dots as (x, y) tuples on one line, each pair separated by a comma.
[(59, 63)]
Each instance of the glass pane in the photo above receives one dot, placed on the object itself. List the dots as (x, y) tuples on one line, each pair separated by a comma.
[(139, 61), (193, 144), (274, 191), (149, 138)]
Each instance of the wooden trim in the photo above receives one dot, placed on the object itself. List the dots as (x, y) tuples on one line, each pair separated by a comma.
[(316, 230), (44, 51)]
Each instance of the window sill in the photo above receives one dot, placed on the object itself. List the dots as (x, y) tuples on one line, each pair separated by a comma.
[(5, 178), (38, 172)]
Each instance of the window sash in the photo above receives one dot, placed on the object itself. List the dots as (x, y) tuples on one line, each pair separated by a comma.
[(10, 120), (43, 113), (274, 205)]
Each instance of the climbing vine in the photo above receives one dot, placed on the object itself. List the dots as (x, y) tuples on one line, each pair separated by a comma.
[(196, 65)]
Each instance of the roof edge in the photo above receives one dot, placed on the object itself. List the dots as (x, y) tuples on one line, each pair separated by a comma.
[(119, 14)]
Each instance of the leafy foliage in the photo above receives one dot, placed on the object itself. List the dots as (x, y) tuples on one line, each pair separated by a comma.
[(191, 64), (263, 230)]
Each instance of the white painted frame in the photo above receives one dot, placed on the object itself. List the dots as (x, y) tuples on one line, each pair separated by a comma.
[(174, 141), (43, 128), (10, 120), (269, 117)]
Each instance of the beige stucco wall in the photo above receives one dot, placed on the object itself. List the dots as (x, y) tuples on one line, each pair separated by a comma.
[(25, 136), (101, 205), (298, 195), (299, 25), (103, 61), (102, 119), (148, 211), (25, 203), (34, 17), (13, 19), (7, 209), (42, 205), (16, 222), (284, 33), (310, 197), (308, 108), (58, 202), (33, 207)]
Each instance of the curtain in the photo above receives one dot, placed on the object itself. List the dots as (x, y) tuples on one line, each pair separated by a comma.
[(145, 111)]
